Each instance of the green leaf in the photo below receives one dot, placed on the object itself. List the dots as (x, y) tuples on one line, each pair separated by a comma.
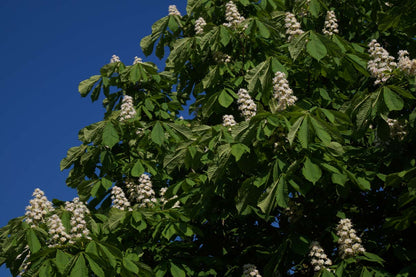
[(238, 149), (392, 100), (315, 47), (110, 135), (311, 171), (297, 45), (339, 179), (137, 169), (294, 129), (32, 240), (263, 73), (74, 153), (225, 99), (130, 265), (62, 260), (314, 8), (158, 134), (176, 271), (363, 183), (282, 195), (320, 131), (304, 132), (278, 191), (95, 267), (263, 31), (86, 85), (80, 268)]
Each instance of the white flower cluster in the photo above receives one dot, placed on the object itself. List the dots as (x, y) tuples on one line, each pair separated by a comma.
[(396, 129), (282, 92), (139, 131), (115, 59), (232, 15), (57, 231), (304, 9), (220, 57), (173, 10), (199, 25), (127, 108), (119, 199), (142, 193), (292, 26), (405, 64), (319, 260), (331, 25), (228, 121), (381, 63), (349, 242), (137, 60), (246, 105), (162, 193), (25, 264), (250, 270), (78, 223), (38, 208)]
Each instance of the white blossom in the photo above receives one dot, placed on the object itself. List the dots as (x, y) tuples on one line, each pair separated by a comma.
[(199, 25), (396, 129), (119, 199), (381, 63), (139, 131), (25, 264), (173, 10), (304, 8), (163, 200), (292, 26), (228, 121), (282, 92), (233, 17), (137, 60), (115, 59), (127, 108), (349, 242), (220, 57), (319, 259), (141, 193), (79, 227), (38, 208), (250, 270), (57, 232), (331, 25), (246, 105), (405, 64)]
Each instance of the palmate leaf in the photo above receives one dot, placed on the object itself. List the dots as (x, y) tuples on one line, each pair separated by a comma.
[(74, 153), (158, 29), (311, 171), (85, 86), (260, 77), (315, 47), (297, 45)]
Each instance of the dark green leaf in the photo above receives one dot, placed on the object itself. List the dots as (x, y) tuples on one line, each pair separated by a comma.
[(311, 171), (392, 100), (315, 47), (158, 134), (137, 169), (86, 85), (32, 240), (110, 135)]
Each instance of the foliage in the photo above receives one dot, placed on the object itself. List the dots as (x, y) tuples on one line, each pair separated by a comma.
[(259, 192)]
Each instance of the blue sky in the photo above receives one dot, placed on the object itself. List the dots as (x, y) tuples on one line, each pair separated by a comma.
[(47, 48)]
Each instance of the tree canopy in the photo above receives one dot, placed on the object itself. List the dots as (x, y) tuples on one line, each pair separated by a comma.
[(298, 158)]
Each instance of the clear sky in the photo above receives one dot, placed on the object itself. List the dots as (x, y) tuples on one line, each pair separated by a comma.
[(47, 47)]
